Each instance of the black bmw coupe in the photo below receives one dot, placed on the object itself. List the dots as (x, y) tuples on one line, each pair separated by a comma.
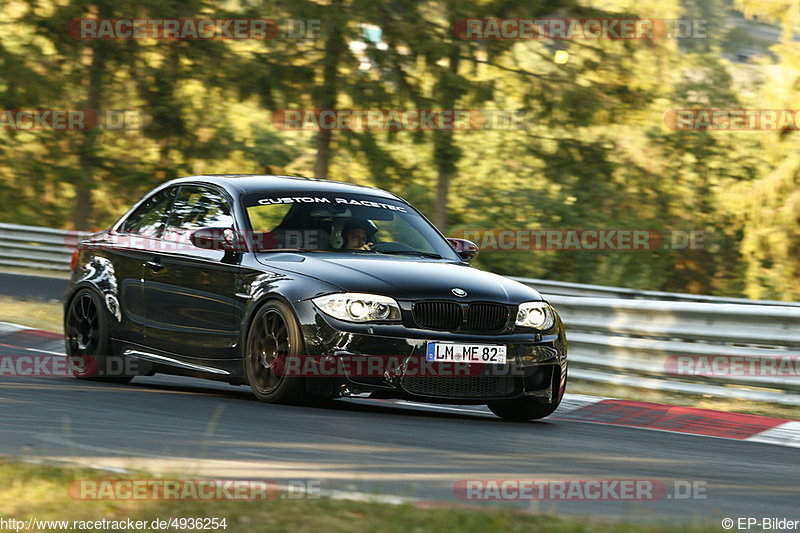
[(306, 289)]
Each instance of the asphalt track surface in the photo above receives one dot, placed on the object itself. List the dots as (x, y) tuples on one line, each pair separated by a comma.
[(167, 424), (32, 286)]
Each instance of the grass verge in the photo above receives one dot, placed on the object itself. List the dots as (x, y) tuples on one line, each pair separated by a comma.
[(41, 272), (33, 313), (41, 492)]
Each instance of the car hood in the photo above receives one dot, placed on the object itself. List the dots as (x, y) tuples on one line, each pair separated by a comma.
[(403, 278)]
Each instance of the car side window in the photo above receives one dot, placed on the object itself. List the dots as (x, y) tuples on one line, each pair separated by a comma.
[(149, 218), (195, 208), (265, 218)]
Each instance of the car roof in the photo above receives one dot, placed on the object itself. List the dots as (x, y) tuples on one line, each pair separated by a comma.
[(238, 184)]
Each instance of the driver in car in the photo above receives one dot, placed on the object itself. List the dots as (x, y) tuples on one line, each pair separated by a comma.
[(358, 233)]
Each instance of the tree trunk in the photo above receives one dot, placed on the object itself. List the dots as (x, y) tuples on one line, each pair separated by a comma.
[(445, 152), (329, 89), (87, 151)]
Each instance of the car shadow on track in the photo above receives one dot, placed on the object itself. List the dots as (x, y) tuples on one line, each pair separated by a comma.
[(348, 405), (204, 388)]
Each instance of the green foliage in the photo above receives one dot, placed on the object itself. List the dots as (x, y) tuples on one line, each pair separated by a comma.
[(593, 151)]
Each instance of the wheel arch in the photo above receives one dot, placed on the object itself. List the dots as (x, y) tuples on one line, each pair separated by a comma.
[(78, 287), (252, 309)]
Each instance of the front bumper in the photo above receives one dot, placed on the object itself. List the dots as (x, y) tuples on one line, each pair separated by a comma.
[(388, 361)]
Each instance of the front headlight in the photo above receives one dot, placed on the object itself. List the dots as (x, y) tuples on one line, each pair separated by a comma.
[(357, 307), (538, 315)]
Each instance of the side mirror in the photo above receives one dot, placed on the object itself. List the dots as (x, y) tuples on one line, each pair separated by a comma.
[(225, 239), (467, 250)]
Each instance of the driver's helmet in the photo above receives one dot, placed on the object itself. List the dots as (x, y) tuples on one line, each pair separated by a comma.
[(363, 223), (338, 237)]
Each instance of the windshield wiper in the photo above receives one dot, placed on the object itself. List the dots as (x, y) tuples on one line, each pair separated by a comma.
[(368, 251), (296, 250), (410, 252)]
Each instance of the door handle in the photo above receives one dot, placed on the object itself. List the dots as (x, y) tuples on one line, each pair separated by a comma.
[(155, 265)]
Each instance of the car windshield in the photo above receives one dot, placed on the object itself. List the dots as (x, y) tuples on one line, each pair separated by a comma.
[(342, 223)]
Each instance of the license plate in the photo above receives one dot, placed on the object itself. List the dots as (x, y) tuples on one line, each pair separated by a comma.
[(448, 352)]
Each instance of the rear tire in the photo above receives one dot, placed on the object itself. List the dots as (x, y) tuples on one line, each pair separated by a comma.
[(522, 409), (274, 336), (86, 338)]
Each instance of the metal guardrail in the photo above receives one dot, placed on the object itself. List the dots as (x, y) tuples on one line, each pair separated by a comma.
[(35, 247), (564, 288), (647, 339), (725, 350)]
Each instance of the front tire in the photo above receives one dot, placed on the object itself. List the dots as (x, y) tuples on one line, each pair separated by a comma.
[(273, 337), (522, 409), (88, 344)]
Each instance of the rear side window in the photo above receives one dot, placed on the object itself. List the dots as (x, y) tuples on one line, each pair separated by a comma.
[(196, 208), (149, 218)]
